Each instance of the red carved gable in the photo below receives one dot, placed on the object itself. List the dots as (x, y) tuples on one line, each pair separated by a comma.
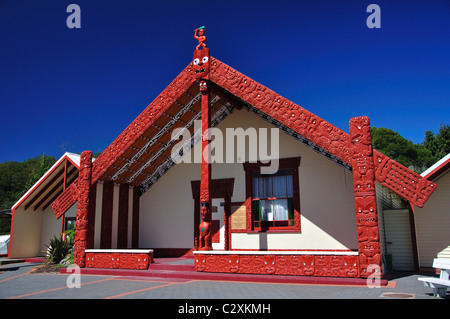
[(123, 150), (388, 172)]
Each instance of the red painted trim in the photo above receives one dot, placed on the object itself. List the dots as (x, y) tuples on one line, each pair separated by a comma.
[(107, 211), (122, 232), (11, 232)]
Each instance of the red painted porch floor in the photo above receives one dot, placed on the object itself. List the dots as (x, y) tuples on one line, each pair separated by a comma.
[(182, 268)]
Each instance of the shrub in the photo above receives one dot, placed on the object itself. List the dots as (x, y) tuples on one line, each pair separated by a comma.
[(58, 249)]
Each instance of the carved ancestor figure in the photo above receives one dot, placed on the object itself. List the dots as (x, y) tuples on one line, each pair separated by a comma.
[(199, 34), (205, 230), (201, 60)]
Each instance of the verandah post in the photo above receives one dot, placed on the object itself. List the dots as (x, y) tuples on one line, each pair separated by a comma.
[(365, 197), (201, 66), (81, 223)]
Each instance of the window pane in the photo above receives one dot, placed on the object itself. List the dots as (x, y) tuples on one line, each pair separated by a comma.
[(255, 210), (291, 208), (266, 210), (290, 187), (265, 187), (255, 187), (279, 186), (280, 209)]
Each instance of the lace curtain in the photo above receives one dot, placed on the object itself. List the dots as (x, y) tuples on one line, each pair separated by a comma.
[(273, 193)]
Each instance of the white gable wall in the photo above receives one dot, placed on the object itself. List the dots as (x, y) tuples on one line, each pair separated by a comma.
[(326, 200), (433, 224)]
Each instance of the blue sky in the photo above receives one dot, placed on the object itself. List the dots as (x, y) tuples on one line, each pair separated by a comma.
[(71, 90)]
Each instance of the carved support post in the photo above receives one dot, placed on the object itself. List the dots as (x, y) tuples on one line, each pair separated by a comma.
[(201, 66), (365, 197), (205, 242), (81, 223)]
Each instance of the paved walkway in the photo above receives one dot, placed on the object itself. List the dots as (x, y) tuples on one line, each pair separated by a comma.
[(16, 282)]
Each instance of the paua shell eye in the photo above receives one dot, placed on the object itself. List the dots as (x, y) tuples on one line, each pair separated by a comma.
[(205, 59), (196, 61)]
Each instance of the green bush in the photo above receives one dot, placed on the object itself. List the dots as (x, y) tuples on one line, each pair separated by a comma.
[(58, 249)]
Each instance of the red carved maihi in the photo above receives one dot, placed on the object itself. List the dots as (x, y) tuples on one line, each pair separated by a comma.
[(65, 200), (365, 195), (138, 127), (84, 184), (388, 172)]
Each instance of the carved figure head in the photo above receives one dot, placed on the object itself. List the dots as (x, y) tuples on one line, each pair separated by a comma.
[(201, 63), (269, 264), (233, 263), (200, 263), (369, 249), (204, 212)]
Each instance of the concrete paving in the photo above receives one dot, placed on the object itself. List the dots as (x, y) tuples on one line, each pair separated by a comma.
[(16, 282)]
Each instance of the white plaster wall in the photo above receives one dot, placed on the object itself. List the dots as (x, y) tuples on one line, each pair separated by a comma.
[(167, 210), (98, 215), (32, 231), (115, 217), (433, 224), (326, 200), (52, 226), (26, 234)]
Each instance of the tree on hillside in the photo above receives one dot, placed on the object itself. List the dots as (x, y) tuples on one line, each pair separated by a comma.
[(17, 177), (416, 156), (391, 143), (438, 144)]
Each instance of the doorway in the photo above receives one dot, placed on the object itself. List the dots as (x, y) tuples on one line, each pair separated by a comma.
[(399, 239)]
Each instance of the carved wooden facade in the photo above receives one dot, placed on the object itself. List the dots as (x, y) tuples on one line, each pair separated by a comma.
[(208, 89)]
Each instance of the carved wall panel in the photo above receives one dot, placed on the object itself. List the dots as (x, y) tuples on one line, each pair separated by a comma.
[(65, 200), (295, 265), (118, 260)]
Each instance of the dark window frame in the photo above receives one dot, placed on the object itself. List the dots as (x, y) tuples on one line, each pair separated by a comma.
[(286, 166)]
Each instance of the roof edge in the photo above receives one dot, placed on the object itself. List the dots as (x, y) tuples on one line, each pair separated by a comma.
[(67, 155), (437, 168), (142, 122)]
